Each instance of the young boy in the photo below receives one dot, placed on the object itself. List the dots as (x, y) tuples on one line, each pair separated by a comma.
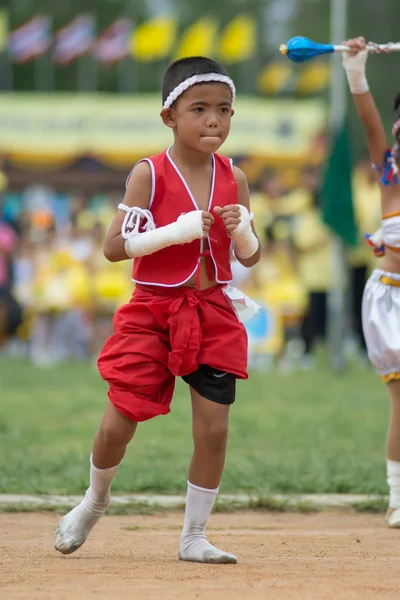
[(184, 212)]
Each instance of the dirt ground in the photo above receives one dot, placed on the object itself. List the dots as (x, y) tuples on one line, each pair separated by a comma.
[(335, 556)]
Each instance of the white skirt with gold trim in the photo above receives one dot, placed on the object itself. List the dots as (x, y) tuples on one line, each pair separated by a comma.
[(381, 322)]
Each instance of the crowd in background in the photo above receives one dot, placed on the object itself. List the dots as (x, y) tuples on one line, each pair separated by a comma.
[(58, 293)]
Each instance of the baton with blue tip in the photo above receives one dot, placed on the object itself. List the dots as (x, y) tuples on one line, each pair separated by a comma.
[(301, 49)]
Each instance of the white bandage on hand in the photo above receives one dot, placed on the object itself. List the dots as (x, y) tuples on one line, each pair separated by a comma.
[(354, 65), (187, 228), (246, 243)]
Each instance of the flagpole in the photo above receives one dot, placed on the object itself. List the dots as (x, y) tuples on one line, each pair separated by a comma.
[(6, 73), (6, 65), (336, 319)]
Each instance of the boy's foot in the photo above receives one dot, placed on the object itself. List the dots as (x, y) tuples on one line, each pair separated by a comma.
[(204, 552), (393, 517), (73, 529)]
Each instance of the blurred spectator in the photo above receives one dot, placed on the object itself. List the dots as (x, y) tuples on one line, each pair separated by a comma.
[(312, 241), (8, 244), (65, 291), (367, 213), (10, 311)]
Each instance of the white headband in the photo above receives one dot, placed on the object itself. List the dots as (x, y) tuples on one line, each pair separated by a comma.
[(182, 87)]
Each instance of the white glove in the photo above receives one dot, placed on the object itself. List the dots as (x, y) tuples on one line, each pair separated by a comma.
[(354, 65)]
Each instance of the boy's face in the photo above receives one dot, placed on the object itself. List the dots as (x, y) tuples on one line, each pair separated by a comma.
[(201, 118)]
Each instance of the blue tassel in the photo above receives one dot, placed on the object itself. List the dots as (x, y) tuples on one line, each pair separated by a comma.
[(378, 250), (390, 174)]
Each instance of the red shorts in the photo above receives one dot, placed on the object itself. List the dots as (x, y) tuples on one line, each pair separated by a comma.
[(166, 332)]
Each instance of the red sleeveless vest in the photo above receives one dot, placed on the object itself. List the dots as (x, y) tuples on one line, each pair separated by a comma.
[(170, 198)]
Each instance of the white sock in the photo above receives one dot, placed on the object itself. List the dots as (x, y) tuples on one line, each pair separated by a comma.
[(98, 494), (73, 529), (199, 504), (393, 479)]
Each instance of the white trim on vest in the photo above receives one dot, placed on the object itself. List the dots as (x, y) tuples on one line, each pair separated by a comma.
[(153, 178)]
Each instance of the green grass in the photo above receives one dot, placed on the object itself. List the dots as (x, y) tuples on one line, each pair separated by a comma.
[(302, 432)]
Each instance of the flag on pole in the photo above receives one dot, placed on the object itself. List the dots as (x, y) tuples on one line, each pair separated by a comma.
[(198, 39), (337, 191), (154, 39), (3, 30), (238, 40), (113, 44), (74, 39), (30, 40)]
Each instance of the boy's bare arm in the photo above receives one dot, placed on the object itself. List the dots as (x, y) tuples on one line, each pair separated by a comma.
[(244, 200), (137, 194)]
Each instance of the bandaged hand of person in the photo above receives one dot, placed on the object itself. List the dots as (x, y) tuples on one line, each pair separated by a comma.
[(354, 63), (188, 227), (193, 225), (237, 220)]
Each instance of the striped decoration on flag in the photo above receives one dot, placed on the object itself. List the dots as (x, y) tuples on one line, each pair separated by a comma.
[(74, 40), (113, 44), (30, 40)]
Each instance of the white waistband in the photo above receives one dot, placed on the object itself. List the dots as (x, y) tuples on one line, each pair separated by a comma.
[(377, 273)]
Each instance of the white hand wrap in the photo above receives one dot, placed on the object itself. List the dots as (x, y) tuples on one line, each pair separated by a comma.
[(133, 220), (187, 228), (246, 243), (354, 65)]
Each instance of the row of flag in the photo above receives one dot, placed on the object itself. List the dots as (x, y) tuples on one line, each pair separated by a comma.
[(157, 39), (34, 38), (152, 40), (280, 76)]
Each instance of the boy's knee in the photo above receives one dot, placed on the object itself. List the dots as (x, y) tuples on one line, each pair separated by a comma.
[(214, 435), (113, 436)]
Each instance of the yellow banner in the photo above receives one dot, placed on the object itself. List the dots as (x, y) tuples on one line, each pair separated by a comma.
[(154, 39), (3, 29), (43, 128), (238, 40)]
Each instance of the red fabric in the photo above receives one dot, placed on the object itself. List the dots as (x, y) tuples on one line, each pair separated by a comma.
[(176, 264), (162, 333)]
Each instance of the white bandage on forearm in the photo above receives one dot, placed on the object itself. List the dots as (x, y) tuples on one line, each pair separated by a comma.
[(246, 243), (354, 65), (187, 228)]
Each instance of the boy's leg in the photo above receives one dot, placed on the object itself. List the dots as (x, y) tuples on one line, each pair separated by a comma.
[(109, 447), (393, 456), (210, 432)]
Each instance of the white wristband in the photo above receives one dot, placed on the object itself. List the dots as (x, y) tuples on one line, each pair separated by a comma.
[(246, 243), (354, 65), (187, 228)]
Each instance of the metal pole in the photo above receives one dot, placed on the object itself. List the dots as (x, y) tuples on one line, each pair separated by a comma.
[(338, 106)]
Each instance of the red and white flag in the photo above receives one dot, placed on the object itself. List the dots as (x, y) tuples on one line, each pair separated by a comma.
[(113, 44), (74, 39), (30, 40)]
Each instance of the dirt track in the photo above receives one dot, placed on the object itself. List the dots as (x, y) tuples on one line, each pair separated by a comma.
[(332, 556)]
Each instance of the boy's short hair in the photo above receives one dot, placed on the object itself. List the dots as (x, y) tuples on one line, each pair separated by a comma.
[(182, 69)]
